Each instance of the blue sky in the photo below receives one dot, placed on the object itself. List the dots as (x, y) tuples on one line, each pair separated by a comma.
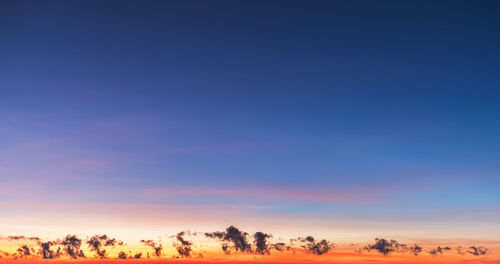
[(391, 101)]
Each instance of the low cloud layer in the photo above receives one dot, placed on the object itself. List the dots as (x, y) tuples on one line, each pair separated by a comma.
[(232, 241), (388, 246)]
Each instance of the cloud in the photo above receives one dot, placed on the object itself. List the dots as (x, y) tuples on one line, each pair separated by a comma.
[(415, 249), (385, 247), (23, 238), (280, 246), (439, 251), (267, 193), (24, 251), (477, 251), (232, 238), (157, 248), (184, 246), (71, 245), (260, 241), (315, 247), (46, 252), (122, 255), (97, 242)]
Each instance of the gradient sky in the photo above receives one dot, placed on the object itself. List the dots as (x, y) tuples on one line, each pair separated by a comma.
[(346, 120)]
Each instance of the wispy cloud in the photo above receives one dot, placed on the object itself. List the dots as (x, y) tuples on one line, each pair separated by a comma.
[(273, 193)]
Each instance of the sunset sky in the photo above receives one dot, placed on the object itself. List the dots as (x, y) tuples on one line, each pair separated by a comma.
[(341, 120)]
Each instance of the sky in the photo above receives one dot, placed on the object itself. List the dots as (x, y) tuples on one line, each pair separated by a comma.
[(342, 120)]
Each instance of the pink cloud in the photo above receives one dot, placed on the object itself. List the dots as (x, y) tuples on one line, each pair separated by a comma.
[(360, 195), (54, 158)]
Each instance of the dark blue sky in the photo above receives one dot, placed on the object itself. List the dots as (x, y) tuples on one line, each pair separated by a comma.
[(323, 95)]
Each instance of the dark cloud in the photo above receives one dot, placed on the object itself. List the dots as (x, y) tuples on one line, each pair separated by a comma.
[(24, 251), (385, 247), (280, 246), (23, 238), (97, 242), (180, 238), (122, 255), (232, 238), (133, 256), (46, 252), (315, 247), (16, 237), (157, 248), (477, 251), (183, 247), (113, 242), (71, 245), (215, 235), (260, 241), (439, 251), (415, 249)]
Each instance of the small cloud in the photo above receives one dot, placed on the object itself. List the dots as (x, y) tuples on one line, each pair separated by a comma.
[(183, 247), (439, 251), (46, 252), (385, 247), (71, 245), (415, 249), (477, 251), (260, 241), (97, 242), (232, 238), (24, 251), (157, 248), (23, 238), (122, 255), (315, 247), (280, 246)]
